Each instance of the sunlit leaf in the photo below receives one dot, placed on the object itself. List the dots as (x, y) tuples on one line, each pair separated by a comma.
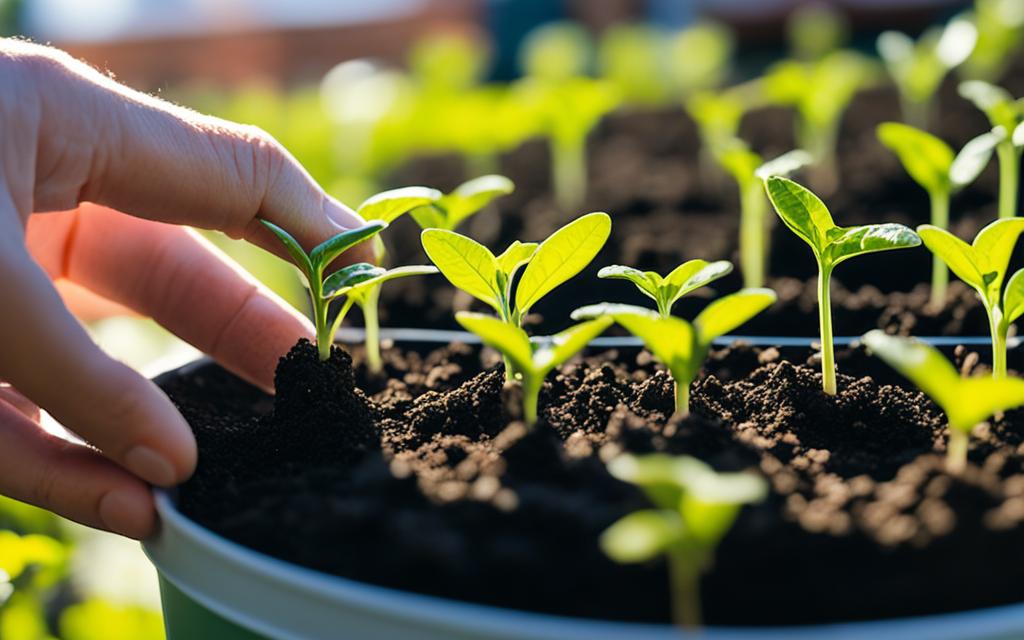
[(509, 340), (729, 312), (802, 211), (326, 252), (925, 157), (642, 535), (295, 250), (389, 205), (466, 263), (849, 242)]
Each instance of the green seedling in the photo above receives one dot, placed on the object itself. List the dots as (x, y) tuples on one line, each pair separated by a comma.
[(700, 56), (666, 290), (965, 401), (556, 51), (450, 210), (806, 216), (917, 68), (472, 267), (694, 507), (1007, 118), (532, 361), (816, 29), (1000, 25), (931, 163), (449, 61), (820, 92), (632, 57), (677, 344), (748, 169), (983, 265)]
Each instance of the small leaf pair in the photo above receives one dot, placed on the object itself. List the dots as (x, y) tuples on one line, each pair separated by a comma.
[(677, 344), (695, 507), (983, 265), (448, 211), (965, 401), (810, 220), (667, 290), (1006, 115)]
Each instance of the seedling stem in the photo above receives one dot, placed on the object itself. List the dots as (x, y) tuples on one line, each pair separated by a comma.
[(828, 359)]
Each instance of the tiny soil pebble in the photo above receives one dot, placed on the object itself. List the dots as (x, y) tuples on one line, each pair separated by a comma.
[(431, 484)]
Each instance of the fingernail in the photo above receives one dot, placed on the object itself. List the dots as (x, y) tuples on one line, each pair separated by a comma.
[(129, 513), (150, 466)]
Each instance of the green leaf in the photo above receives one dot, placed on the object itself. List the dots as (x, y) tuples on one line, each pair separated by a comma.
[(642, 535), (925, 157), (565, 344), (802, 211), (958, 255), (647, 281), (472, 196), (349, 276), (670, 339), (1018, 136), (1013, 297), (293, 247), (507, 339), (972, 159), (609, 309), (726, 313), (358, 290), (847, 242), (993, 248), (429, 217), (389, 205), (694, 274), (785, 164), (741, 163), (561, 256), (516, 255), (658, 474), (325, 253), (711, 487), (995, 102), (466, 263)]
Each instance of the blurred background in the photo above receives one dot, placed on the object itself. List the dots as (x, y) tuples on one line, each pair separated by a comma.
[(361, 90)]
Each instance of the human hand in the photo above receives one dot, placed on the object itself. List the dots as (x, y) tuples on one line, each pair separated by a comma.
[(77, 150)]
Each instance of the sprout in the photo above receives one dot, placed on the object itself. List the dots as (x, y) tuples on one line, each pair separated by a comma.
[(665, 291), (965, 401), (820, 92), (695, 507), (676, 343), (699, 56), (532, 361), (748, 169), (983, 265), (1007, 118), (450, 61), (810, 220), (815, 30), (632, 58), (1000, 25), (931, 164), (556, 51), (917, 68), (451, 209)]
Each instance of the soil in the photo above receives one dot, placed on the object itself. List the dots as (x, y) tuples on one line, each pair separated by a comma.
[(429, 482), (645, 171)]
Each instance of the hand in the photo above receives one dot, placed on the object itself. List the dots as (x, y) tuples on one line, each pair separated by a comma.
[(76, 150)]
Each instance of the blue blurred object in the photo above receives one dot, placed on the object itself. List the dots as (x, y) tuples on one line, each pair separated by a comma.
[(509, 21)]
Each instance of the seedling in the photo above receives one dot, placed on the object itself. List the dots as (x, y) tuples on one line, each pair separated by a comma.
[(532, 361), (930, 162), (965, 401), (819, 91), (917, 68), (983, 265), (748, 169), (451, 209), (633, 57), (665, 291), (699, 56), (556, 51), (718, 117), (1000, 26), (806, 216), (1007, 118), (676, 343), (694, 507), (815, 30)]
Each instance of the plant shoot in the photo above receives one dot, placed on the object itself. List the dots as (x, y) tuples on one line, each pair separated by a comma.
[(666, 290), (1006, 116), (452, 209)]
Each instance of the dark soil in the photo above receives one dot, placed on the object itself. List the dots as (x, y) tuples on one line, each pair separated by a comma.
[(432, 484)]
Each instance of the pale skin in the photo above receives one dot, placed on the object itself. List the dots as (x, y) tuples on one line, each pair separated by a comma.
[(95, 183)]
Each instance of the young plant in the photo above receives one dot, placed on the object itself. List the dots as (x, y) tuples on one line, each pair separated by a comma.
[(930, 162), (965, 401), (1000, 25), (450, 210), (815, 29), (666, 290), (694, 507), (1007, 118), (917, 68), (532, 361), (313, 266), (700, 56), (633, 58), (810, 220), (677, 344), (717, 116), (983, 265), (472, 267), (748, 169), (556, 51)]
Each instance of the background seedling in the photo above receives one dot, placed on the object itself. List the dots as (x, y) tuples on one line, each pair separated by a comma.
[(700, 56), (451, 209), (532, 360), (718, 116), (965, 401), (806, 216), (677, 344), (816, 29), (930, 162), (1000, 25), (983, 265), (747, 168), (634, 59), (917, 68), (665, 291), (695, 507), (1007, 118)]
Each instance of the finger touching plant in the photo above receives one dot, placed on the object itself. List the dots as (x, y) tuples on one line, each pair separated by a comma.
[(532, 360), (1006, 116), (680, 346), (808, 217), (965, 401), (448, 211), (694, 507), (983, 265), (666, 290), (931, 163)]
